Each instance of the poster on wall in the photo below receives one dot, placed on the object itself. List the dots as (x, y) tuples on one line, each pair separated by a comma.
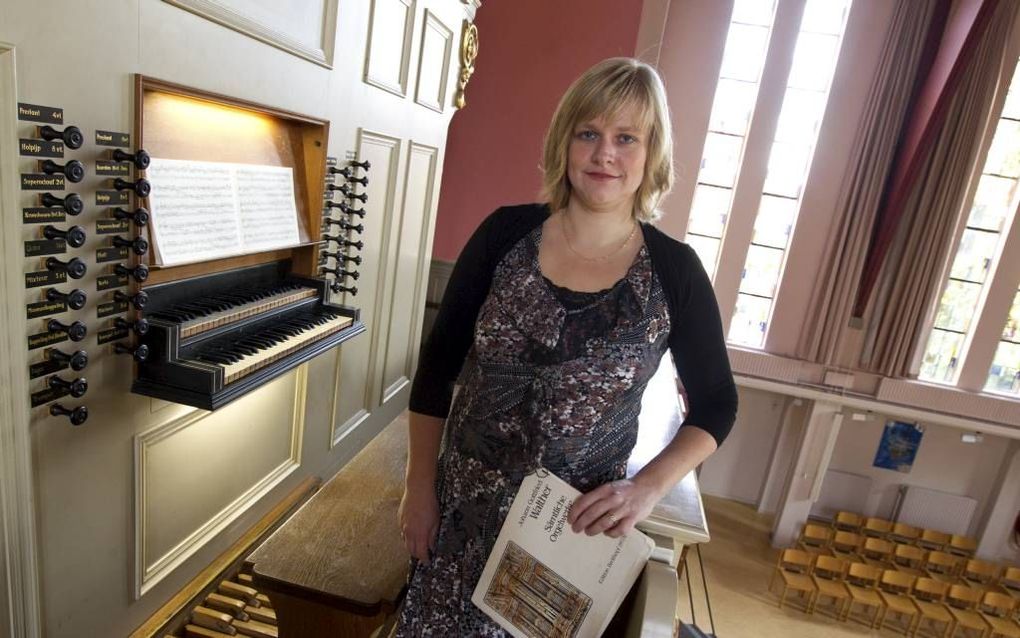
[(898, 447)]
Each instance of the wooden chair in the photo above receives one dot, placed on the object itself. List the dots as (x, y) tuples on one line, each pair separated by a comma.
[(979, 573), (997, 609), (876, 527), (876, 552), (815, 538), (909, 559), (903, 533), (862, 581), (942, 566), (847, 522), (894, 588), (844, 545), (929, 595), (961, 546), (933, 540), (1009, 582), (828, 576), (794, 569), (961, 602)]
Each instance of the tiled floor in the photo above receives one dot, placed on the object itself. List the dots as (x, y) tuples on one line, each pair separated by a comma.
[(739, 563)]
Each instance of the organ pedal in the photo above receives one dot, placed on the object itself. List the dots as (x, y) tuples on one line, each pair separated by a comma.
[(262, 614), (212, 619), (195, 631), (256, 629), (227, 604), (247, 594)]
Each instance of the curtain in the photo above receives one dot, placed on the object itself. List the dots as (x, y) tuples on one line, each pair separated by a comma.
[(872, 155), (909, 279)]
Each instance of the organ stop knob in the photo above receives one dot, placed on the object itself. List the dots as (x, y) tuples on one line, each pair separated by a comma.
[(77, 359), (73, 236), (77, 415), (71, 136), (72, 203), (139, 158), (75, 299), (139, 216), (76, 330), (139, 353), (73, 170), (138, 245), (140, 186), (140, 327), (75, 387), (139, 273), (138, 300), (74, 267)]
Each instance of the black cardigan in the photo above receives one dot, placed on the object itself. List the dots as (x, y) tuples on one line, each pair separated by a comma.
[(695, 337)]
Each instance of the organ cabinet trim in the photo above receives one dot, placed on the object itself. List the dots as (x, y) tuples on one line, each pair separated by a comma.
[(433, 63), (283, 138), (358, 370), (230, 15), (386, 65), (17, 520), (214, 441), (407, 292)]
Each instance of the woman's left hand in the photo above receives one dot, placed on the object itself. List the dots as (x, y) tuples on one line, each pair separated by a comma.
[(613, 508)]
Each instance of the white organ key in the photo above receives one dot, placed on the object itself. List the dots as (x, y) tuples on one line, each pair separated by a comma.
[(250, 363), (240, 311)]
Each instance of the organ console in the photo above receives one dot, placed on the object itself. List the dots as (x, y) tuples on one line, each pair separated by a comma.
[(77, 360), (141, 186), (75, 299), (139, 158), (73, 236), (77, 415), (71, 136), (138, 245), (71, 203), (75, 387), (74, 267), (138, 300), (139, 216), (75, 330), (73, 170), (213, 338)]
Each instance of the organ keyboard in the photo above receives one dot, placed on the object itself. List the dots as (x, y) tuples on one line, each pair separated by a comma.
[(216, 337)]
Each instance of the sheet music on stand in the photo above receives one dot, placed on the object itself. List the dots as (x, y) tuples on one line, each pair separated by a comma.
[(209, 210)]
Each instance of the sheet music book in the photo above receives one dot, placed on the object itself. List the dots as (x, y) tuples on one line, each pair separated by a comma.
[(544, 581), (209, 210)]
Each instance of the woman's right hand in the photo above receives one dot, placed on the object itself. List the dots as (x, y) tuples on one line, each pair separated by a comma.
[(419, 520)]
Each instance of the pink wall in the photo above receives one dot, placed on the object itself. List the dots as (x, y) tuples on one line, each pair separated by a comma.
[(530, 51)]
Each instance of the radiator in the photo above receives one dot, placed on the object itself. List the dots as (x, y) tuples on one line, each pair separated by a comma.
[(931, 509), (841, 491)]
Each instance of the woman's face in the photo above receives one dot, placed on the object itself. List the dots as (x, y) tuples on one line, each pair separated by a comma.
[(606, 160)]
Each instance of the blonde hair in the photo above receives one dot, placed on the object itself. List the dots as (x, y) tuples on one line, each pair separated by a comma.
[(603, 91)]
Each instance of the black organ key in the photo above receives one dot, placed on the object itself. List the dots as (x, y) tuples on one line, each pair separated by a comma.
[(73, 236), (75, 387), (71, 136), (138, 300), (140, 186), (75, 299), (77, 360), (139, 216), (139, 158), (73, 170), (74, 267), (75, 330), (71, 203), (77, 415)]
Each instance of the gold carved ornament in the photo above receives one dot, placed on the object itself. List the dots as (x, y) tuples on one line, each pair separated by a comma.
[(468, 53)]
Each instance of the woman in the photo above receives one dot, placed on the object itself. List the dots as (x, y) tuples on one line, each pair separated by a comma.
[(555, 318)]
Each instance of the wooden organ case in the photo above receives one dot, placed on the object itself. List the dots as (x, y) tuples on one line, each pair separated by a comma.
[(212, 331), (157, 475)]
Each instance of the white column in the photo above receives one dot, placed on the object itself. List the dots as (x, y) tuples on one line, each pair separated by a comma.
[(810, 464), (994, 542)]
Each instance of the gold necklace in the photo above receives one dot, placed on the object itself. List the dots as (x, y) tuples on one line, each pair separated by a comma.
[(566, 237)]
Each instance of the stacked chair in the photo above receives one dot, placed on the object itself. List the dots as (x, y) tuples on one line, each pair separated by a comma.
[(901, 578)]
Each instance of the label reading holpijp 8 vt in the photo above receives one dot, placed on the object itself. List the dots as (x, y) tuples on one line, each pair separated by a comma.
[(40, 148)]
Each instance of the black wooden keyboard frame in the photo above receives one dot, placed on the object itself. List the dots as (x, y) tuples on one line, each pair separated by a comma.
[(166, 375)]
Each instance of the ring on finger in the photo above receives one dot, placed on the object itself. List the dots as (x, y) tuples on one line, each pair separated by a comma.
[(613, 519)]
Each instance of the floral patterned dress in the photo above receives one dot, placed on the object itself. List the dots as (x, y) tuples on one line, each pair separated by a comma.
[(554, 378)]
